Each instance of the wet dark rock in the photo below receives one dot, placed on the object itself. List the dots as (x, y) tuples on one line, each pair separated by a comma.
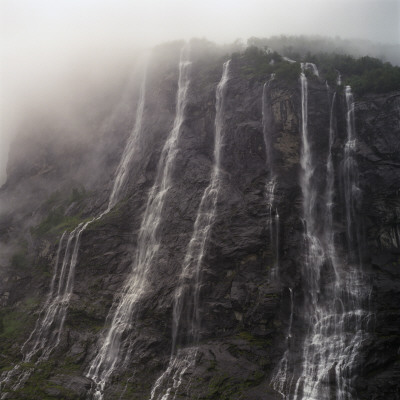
[(244, 312)]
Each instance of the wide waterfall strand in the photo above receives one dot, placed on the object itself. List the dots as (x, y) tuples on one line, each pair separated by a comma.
[(353, 284), (270, 187), (308, 191), (188, 290), (313, 257), (48, 328), (350, 179), (329, 192), (333, 305), (148, 244), (317, 341)]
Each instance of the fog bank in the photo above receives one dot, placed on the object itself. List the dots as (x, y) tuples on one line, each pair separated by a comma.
[(53, 52)]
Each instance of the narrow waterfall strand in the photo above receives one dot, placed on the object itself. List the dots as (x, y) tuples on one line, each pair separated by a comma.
[(188, 291), (106, 360)]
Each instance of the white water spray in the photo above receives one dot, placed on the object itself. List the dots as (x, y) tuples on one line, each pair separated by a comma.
[(289, 60), (132, 147), (188, 291), (330, 191), (270, 187), (339, 78), (121, 318), (334, 306), (350, 177), (49, 326), (311, 66), (46, 335)]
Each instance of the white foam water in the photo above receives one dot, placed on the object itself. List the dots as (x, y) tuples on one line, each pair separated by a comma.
[(335, 304), (46, 334), (188, 290), (121, 316), (271, 184)]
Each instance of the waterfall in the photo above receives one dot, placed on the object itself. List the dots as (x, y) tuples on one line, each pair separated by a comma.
[(191, 269), (311, 66), (46, 334), (308, 191), (120, 317), (329, 191), (350, 178), (270, 187), (339, 78), (316, 348), (275, 270), (317, 353), (282, 379), (273, 224), (313, 254), (188, 290), (334, 309), (267, 123), (288, 60), (132, 146), (48, 328)]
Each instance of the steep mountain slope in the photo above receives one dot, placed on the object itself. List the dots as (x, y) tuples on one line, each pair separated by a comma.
[(252, 287)]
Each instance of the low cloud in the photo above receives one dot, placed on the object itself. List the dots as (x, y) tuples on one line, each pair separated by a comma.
[(54, 51)]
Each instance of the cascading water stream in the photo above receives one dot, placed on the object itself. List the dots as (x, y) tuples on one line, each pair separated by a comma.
[(47, 332), (320, 342), (188, 290), (313, 252), (329, 239), (334, 306), (192, 264), (267, 123), (49, 326), (350, 178), (339, 78), (120, 317), (270, 187), (311, 66), (132, 146), (282, 379)]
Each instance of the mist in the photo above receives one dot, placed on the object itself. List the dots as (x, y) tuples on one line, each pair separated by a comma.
[(56, 53)]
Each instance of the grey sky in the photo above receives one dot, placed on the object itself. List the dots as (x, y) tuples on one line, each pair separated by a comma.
[(153, 21), (39, 38)]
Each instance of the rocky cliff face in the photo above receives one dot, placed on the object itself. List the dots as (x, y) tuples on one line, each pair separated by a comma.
[(245, 312)]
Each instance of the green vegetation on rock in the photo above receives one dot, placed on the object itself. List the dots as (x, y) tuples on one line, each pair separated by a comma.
[(224, 387), (254, 340), (364, 74), (116, 212), (56, 220), (13, 320), (260, 63)]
